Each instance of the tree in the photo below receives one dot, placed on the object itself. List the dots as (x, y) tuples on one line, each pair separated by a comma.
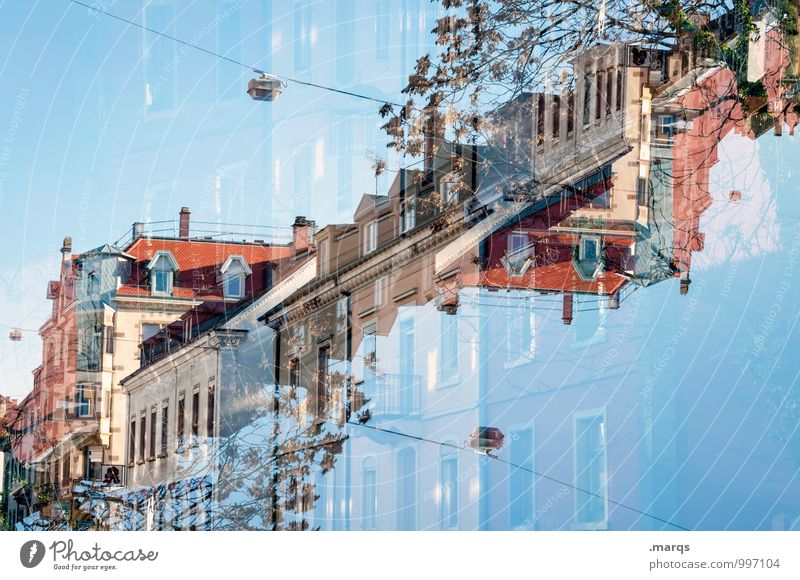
[(494, 51)]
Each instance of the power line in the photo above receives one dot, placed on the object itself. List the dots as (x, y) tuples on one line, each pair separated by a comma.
[(231, 60), (516, 466)]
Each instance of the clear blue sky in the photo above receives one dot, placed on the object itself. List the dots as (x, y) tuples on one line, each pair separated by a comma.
[(102, 124)]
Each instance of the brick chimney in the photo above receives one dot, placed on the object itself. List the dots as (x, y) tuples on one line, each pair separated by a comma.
[(66, 249), (566, 313), (302, 230), (183, 228)]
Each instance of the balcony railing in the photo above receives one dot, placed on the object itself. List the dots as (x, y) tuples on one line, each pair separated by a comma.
[(393, 394)]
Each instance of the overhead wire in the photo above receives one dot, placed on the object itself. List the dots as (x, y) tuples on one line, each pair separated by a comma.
[(255, 69)]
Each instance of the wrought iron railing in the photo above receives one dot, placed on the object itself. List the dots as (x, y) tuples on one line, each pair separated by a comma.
[(393, 394)]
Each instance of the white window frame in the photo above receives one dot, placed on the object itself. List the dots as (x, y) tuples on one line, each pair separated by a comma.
[(228, 277), (524, 249), (517, 429), (582, 248), (84, 401), (371, 237), (227, 280), (408, 214), (576, 417)]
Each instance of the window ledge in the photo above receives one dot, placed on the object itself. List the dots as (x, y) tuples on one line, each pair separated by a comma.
[(140, 462), (151, 459), (161, 456)]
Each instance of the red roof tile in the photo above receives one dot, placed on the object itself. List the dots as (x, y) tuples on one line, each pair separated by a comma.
[(194, 254), (558, 277), (177, 292)]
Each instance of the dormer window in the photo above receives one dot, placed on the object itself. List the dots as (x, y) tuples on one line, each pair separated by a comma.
[(589, 250), (234, 271), (162, 268)]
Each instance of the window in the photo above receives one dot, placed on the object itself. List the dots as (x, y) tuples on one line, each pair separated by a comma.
[(369, 351), (666, 128), (164, 427), (84, 401), (407, 395), (517, 246), (370, 494), (380, 285), (406, 484), (153, 422), (587, 99), (210, 411), (195, 414), (570, 113), (90, 346), (519, 333), (609, 90), (448, 488), (556, 116), (229, 44), (602, 200), (93, 284), (233, 286), (302, 36), (371, 237), (448, 189), (149, 330), (142, 434), (590, 468), (589, 250), (109, 334), (408, 214), (162, 267), (159, 58), (540, 114), (520, 478), (598, 105), (294, 374), (234, 271), (448, 347), (382, 31), (132, 443), (323, 368), (619, 90), (323, 257), (345, 40), (642, 190), (162, 282), (179, 431)]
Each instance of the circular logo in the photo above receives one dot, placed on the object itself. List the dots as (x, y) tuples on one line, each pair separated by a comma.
[(31, 553)]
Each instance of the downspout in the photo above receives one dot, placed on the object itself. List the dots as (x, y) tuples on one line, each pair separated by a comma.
[(275, 425), (348, 405)]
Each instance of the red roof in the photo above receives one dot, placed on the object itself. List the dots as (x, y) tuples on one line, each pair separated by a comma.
[(558, 277), (194, 254), (177, 292)]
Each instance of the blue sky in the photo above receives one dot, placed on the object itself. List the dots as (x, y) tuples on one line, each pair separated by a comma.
[(102, 124)]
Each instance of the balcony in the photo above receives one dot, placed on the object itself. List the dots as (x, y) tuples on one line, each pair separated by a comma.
[(393, 394)]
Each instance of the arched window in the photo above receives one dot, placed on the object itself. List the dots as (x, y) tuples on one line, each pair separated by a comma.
[(234, 272), (162, 269)]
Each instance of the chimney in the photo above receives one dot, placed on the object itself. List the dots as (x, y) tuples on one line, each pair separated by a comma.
[(566, 313), (66, 254), (137, 231), (301, 234), (183, 228)]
